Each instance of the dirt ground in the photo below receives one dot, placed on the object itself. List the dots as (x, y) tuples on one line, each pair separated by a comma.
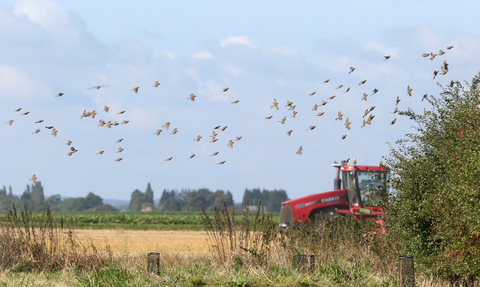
[(139, 241)]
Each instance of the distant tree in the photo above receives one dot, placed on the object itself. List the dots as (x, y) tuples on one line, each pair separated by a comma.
[(92, 200), (148, 197), (136, 201), (37, 195), (271, 200)]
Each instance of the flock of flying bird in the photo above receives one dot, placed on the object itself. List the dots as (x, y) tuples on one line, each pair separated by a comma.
[(289, 105)]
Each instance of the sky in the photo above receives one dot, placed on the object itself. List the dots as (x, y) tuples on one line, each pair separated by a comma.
[(260, 50)]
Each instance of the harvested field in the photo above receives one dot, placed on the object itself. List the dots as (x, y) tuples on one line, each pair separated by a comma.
[(141, 241)]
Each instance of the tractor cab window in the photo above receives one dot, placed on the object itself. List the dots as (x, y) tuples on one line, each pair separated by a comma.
[(371, 185), (350, 187)]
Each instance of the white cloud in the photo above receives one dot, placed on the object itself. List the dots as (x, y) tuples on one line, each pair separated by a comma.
[(15, 84), (44, 12), (286, 51), (203, 55), (215, 92), (165, 54), (192, 73), (236, 40)]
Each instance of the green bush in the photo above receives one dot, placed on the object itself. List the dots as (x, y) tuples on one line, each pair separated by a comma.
[(434, 211)]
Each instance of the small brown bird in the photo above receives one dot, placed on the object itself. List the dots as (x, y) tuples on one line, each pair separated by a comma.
[(449, 47), (156, 84), (386, 57), (366, 113), (323, 103), (394, 120), (294, 114), (120, 149), (435, 73), (40, 121), (97, 87), (168, 159), (364, 97), (326, 81), (432, 56), (269, 117), (362, 82), (54, 132), (191, 98), (213, 140), (347, 124), (374, 91), (224, 128), (441, 52), (282, 121), (93, 114), (191, 156), (118, 159), (351, 70), (166, 125), (292, 107), (314, 107), (395, 111), (320, 114), (19, 109), (197, 139), (222, 162), (59, 95), (425, 55), (216, 128), (69, 142), (339, 87), (340, 116), (235, 102), (424, 97), (214, 154), (408, 135), (288, 104), (274, 105), (101, 123), (33, 179), (364, 123), (409, 90), (135, 89), (451, 84), (300, 150), (9, 122), (121, 113), (348, 89), (344, 136), (73, 149), (372, 108), (312, 93), (230, 144), (25, 113), (424, 113), (119, 141), (331, 98), (36, 132), (174, 131), (70, 153), (237, 139), (125, 122), (289, 133), (397, 101), (100, 152), (115, 123), (213, 135), (157, 132), (105, 109), (311, 128), (226, 89)]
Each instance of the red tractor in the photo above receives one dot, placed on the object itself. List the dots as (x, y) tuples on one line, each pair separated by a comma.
[(363, 188)]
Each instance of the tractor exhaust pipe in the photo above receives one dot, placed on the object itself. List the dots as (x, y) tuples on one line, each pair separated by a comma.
[(337, 182)]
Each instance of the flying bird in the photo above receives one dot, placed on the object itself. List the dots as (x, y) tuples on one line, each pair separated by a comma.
[(135, 89), (435, 73), (115, 123), (222, 162), (441, 52), (362, 82), (166, 125), (191, 156), (33, 179), (97, 87), (36, 132), (374, 91), (101, 123), (121, 113), (100, 152), (214, 154), (288, 104), (197, 138), (269, 117), (312, 93), (226, 89), (386, 57), (315, 107), (156, 84), (394, 120), (340, 86), (230, 144), (364, 97), (274, 105), (311, 128), (235, 102), (432, 56), (347, 124), (25, 113), (299, 151), (168, 159), (323, 103), (424, 97), (351, 70), (9, 122), (118, 159), (213, 140), (54, 132), (320, 114), (340, 116), (449, 47), (292, 107), (395, 111), (105, 109), (19, 109), (332, 97), (424, 113), (216, 128), (59, 95), (69, 142), (294, 114), (109, 124), (237, 139), (119, 141), (191, 98), (174, 131), (408, 135), (120, 149), (326, 81), (125, 122), (397, 101), (289, 132), (409, 90), (425, 55), (73, 149), (224, 128), (282, 121), (348, 89), (40, 121), (344, 136)]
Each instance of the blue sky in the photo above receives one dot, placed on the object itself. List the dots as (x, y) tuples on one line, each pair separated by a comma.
[(261, 51)]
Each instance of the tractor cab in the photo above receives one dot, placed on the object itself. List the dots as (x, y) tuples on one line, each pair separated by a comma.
[(364, 185)]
